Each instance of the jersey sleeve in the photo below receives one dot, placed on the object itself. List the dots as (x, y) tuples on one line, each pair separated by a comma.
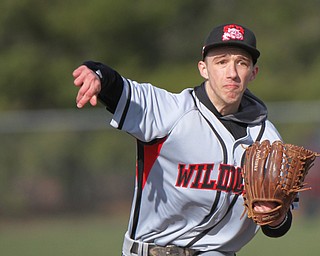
[(148, 112), (272, 134)]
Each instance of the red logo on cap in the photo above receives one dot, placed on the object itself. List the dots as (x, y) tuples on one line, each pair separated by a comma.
[(233, 32)]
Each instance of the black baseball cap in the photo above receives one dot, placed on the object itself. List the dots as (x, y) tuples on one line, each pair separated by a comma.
[(232, 35)]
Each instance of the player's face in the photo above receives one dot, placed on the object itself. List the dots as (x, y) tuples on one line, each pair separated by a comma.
[(227, 71)]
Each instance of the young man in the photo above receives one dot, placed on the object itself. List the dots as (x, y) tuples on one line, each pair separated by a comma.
[(188, 194)]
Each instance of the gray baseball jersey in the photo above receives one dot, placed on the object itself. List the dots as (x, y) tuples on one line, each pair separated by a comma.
[(188, 177)]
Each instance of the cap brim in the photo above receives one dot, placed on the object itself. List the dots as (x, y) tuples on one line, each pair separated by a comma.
[(252, 51)]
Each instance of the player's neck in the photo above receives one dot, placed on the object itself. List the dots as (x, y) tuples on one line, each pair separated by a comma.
[(223, 106), (228, 109)]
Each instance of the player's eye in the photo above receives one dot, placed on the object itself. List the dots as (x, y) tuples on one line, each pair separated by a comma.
[(222, 62), (243, 63)]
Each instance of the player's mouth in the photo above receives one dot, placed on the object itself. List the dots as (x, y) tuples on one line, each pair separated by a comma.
[(232, 86)]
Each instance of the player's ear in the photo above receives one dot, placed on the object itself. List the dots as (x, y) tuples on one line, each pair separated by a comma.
[(202, 66), (254, 73)]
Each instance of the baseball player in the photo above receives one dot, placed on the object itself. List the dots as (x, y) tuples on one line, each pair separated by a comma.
[(188, 197)]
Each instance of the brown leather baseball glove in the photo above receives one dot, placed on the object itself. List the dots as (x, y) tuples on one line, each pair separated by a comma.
[(274, 173)]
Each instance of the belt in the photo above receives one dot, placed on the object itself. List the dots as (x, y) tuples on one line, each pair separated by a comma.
[(169, 250)]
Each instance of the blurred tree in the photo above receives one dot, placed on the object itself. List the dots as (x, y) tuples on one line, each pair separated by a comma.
[(41, 42)]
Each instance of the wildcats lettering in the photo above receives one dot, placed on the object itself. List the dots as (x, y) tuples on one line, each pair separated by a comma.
[(198, 176)]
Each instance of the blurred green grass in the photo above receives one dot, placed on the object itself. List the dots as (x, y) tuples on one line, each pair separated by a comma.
[(302, 239), (102, 235), (66, 236)]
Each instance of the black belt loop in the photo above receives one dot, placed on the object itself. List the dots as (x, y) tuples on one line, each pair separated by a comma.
[(134, 248)]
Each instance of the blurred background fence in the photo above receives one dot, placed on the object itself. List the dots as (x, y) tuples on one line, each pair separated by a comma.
[(71, 161)]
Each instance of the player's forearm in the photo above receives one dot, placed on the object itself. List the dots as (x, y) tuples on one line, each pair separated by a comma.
[(279, 230), (111, 84)]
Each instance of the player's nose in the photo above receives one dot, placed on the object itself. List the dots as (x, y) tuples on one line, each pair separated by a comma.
[(232, 70)]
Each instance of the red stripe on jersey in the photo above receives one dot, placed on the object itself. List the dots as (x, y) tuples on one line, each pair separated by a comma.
[(150, 155)]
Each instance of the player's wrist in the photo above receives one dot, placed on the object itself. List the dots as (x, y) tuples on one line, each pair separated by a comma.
[(97, 68), (279, 223), (111, 84)]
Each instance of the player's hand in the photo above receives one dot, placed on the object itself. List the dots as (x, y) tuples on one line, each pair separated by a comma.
[(89, 86), (267, 206)]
